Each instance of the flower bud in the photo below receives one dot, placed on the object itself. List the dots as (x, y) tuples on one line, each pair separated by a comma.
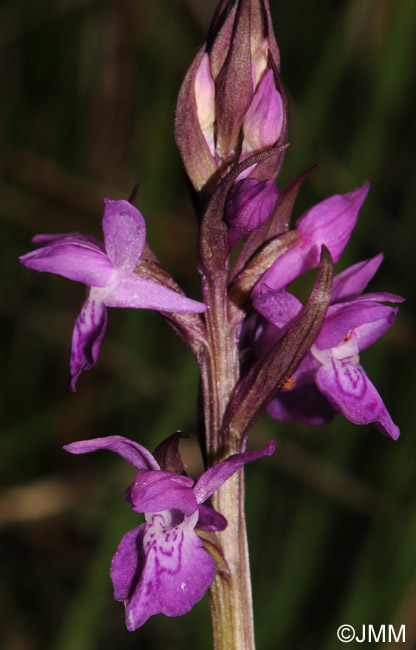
[(250, 203), (231, 104)]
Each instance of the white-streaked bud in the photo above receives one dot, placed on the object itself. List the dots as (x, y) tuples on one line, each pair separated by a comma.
[(205, 101)]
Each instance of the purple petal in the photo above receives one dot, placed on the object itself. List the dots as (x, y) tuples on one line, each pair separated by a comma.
[(131, 451), (344, 317), (125, 566), (209, 518), (136, 292), (72, 258), (124, 234), (351, 282), (369, 333), (306, 405), (154, 491), (331, 222), (328, 223), (171, 574), (299, 259), (250, 203), (348, 388), (88, 333), (215, 476)]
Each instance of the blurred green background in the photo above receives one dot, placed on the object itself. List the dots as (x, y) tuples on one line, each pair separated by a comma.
[(88, 95)]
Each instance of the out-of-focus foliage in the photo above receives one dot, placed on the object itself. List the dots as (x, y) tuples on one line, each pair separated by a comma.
[(88, 94)]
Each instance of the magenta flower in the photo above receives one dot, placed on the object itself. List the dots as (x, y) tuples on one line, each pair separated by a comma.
[(108, 270), (160, 566), (328, 223), (330, 378)]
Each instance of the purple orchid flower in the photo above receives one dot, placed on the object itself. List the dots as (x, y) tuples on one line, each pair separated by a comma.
[(108, 271), (330, 378), (160, 566)]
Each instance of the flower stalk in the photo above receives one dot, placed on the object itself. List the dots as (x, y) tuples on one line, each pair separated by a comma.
[(230, 593)]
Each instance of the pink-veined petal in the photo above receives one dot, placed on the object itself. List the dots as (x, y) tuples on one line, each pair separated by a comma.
[(124, 234), (136, 292), (348, 388), (88, 333), (172, 572)]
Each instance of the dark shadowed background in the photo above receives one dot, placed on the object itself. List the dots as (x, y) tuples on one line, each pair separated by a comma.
[(88, 94)]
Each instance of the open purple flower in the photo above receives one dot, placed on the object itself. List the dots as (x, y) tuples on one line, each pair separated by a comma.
[(108, 271), (160, 566), (330, 378)]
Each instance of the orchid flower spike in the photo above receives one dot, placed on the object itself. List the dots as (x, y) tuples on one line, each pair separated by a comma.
[(160, 566), (108, 270)]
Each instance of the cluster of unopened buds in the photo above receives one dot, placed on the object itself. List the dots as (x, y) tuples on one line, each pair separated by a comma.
[(257, 346)]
